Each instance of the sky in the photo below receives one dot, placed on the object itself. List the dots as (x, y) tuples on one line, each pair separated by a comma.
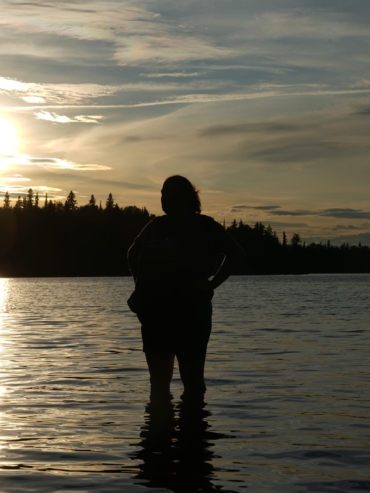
[(264, 105)]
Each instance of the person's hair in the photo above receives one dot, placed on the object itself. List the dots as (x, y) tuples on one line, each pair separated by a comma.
[(185, 191)]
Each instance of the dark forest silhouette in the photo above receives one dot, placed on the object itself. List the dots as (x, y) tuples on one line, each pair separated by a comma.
[(64, 239)]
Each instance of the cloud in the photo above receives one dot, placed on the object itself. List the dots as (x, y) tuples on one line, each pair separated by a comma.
[(244, 128), (51, 163), (19, 190), (276, 210), (236, 208), (121, 184), (15, 178), (170, 74), (292, 213), (286, 226), (64, 94), (346, 213), (363, 110), (135, 33), (299, 23), (304, 150), (364, 83), (55, 118), (32, 92), (33, 99), (341, 227)]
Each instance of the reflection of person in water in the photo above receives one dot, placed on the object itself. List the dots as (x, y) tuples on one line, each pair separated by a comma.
[(176, 451), (171, 261)]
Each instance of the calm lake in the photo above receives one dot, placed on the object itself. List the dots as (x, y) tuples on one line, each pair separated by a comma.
[(288, 400)]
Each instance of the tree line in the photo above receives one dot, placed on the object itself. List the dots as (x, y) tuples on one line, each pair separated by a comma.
[(55, 238)]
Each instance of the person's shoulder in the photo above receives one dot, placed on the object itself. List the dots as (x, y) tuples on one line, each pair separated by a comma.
[(157, 220), (208, 221), (161, 218), (204, 218), (156, 224)]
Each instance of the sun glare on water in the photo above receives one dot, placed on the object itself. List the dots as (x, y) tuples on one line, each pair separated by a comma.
[(3, 296)]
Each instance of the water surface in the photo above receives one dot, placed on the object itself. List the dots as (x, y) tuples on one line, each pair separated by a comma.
[(288, 401)]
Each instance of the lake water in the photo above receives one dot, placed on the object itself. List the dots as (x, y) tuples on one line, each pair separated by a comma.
[(288, 400)]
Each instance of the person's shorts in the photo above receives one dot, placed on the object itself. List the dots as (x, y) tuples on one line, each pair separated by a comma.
[(176, 325)]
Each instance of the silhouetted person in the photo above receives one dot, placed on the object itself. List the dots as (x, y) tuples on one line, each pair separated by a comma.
[(171, 261)]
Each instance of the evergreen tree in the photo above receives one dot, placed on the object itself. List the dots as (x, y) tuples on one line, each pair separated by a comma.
[(7, 201), (234, 225), (71, 202), (46, 200), (36, 200), (19, 203), (92, 201), (131, 209), (51, 206), (29, 199), (109, 202), (296, 240), (284, 240)]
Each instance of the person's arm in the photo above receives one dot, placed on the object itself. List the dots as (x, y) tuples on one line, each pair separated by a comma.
[(134, 250), (233, 254), (132, 256), (231, 259)]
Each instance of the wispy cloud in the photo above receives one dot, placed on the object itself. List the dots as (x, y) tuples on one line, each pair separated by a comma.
[(245, 128), (55, 118), (343, 227), (58, 96), (136, 34), (15, 178), (363, 110), (32, 92), (299, 23), (7, 161), (236, 208), (36, 93), (170, 74), (68, 93), (21, 190), (276, 210), (344, 213), (280, 212), (347, 213), (33, 99)]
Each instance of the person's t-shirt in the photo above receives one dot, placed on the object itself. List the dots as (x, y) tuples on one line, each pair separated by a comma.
[(171, 254)]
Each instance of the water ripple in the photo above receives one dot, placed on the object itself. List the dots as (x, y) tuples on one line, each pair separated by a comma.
[(288, 401)]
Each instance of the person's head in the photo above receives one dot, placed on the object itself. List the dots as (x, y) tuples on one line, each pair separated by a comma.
[(179, 196)]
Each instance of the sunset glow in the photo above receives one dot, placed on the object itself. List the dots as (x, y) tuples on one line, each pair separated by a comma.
[(264, 106), (8, 137)]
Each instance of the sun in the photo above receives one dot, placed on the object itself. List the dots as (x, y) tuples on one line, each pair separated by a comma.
[(8, 137)]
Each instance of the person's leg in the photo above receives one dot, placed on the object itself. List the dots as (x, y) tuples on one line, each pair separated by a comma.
[(160, 366), (191, 369)]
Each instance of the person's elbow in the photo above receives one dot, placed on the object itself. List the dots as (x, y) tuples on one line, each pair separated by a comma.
[(132, 255), (237, 253)]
